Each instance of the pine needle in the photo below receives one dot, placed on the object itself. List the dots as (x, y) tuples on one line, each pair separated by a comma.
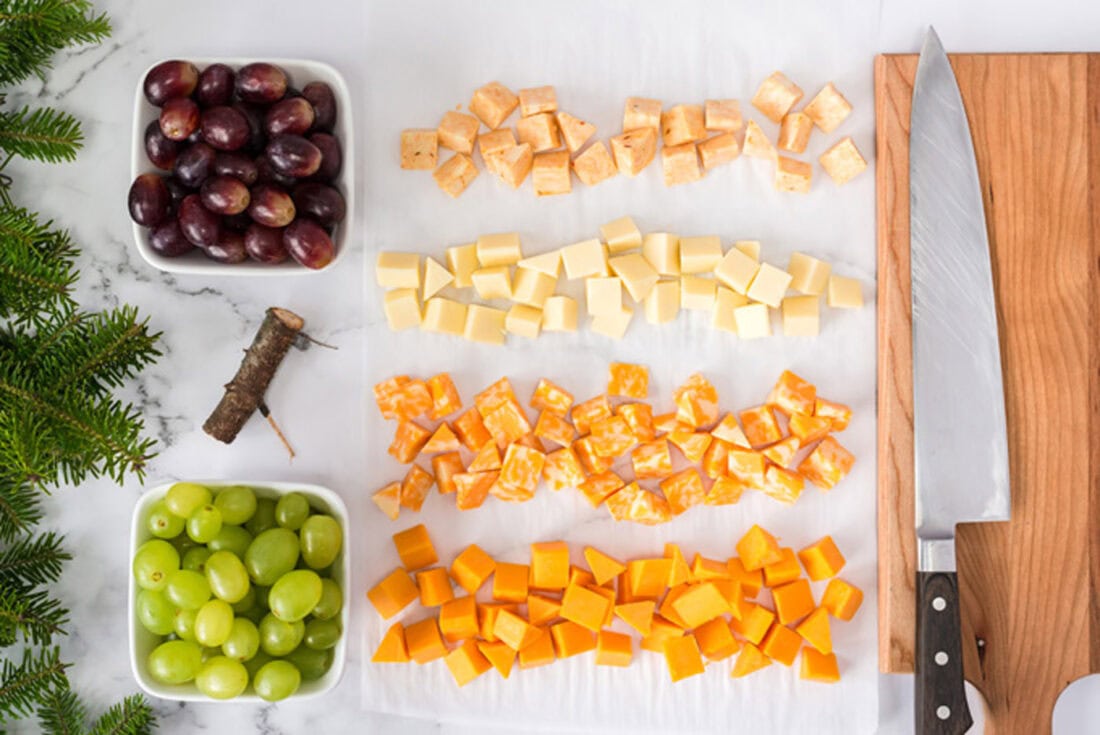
[(41, 134), (34, 615), (131, 716), (32, 31), (61, 713), (19, 508), (24, 684), (32, 561)]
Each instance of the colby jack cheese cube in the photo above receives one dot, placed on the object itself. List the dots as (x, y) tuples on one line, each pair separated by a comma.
[(550, 173), (843, 161), (682, 124), (493, 103), (455, 175), (594, 165), (540, 131), (722, 115), (776, 96), (419, 149), (535, 100), (794, 134), (634, 150), (792, 175), (828, 108), (458, 131), (720, 149), (574, 131), (641, 112), (680, 164)]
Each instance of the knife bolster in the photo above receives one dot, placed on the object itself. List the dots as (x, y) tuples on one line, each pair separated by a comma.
[(935, 554)]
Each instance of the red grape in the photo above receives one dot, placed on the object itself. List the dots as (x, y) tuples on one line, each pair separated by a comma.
[(176, 191), (225, 128), (224, 195), (237, 165), (194, 164), (215, 86), (265, 244), (239, 222), (179, 118), (323, 100), (294, 116), (170, 79), (261, 82), (150, 202), (294, 156), (266, 174), (320, 201), (198, 224), (160, 151), (332, 157), (257, 139), (308, 243), (227, 248), (167, 239), (271, 206)]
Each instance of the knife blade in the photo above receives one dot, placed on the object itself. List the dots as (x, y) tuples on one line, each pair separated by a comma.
[(960, 445)]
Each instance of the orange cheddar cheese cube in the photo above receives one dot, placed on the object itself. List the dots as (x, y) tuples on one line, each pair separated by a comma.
[(782, 452), (584, 607), (497, 393), (506, 423), (729, 431), (715, 640), (611, 436), (693, 444), (817, 666), (571, 639), (696, 402), (487, 618), (519, 473), (703, 569), (590, 461), (393, 594), (716, 458), (413, 400), (751, 581), (499, 655), (842, 599), (748, 466), (603, 567), (609, 593), (781, 644), (562, 469), (793, 601), (648, 578), (549, 565), (387, 395), (435, 587), (486, 460), (415, 547), (827, 464), (682, 657), (443, 440), (473, 488), (392, 648), (408, 440), (471, 430), (510, 582), (629, 381), (471, 568), (458, 619), (758, 548), (614, 649), (466, 663), (551, 397), (793, 394), (554, 428), (651, 459), (639, 417), (783, 485), (599, 487), (679, 572), (581, 577), (388, 499), (513, 630), (699, 604), (822, 559), (724, 491), (684, 490), (542, 609), (783, 571), (809, 429), (539, 653), (815, 629), (760, 426), (660, 633), (446, 466), (754, 624), (732, 592), (589, 412), (445, 398), (632, 503), (424, 641), (838, 413), (749, 660), (666, 609), (638, 615)]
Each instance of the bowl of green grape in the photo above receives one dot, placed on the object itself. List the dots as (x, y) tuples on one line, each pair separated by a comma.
[(237, 591)]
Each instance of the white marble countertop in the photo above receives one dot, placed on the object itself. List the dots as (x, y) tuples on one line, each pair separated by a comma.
[(206, 321)]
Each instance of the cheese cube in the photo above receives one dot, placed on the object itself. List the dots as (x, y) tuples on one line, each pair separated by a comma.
[(844, 293), (794, 133), (697, 293), (636, 273), (445, 316), (397, 270), (559, 314), (436, 278), (526, 321), (534, 100), (700, 254), (484, 324), (574, 131), (828, 108), (808, 275), (725, 302), (722, 115), (757, 144), (720, 149), (550, 173), (532, 288), (775, 97), (462, 261), (548, 263), (603, 296), (584, 259), (792, 175), (737, 270), (753, 321), (594, 165), (513, 164), (640, 112), (801, 316), (750, 248), (419, 149), (682, 124), (662, 250), (769, 285), (621, 234), (493, 283), (843, 161), (634, 150), (541, 131), (663, 302), (495, 141), (402, 309), (680, 164), (612, 325), (455, 175), (493, 103), (502, 248), (458, 131)]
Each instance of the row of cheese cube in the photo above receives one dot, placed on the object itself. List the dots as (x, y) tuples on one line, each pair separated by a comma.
[(551, 609)]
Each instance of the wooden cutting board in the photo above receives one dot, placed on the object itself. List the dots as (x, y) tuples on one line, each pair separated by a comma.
[(1031, 587)]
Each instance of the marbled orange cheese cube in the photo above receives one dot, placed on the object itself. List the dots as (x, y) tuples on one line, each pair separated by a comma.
[(827, 464), (487, 459), (414, 399), (809, 429), (507, 423), (589, 412), (590, 461), (793, 394), (553, 427), (445, 398), (519, 473), (783, 451), (445, 467), (683, 490), (639, 417), (782, 484), (493, 396), (838, 413), (531, 442), (728, 430), (747, 466), (387, 395), (716, 459), (696, 402), (388, 500), (651, 459), (551, 397), (761, 428), (632, 503), (725, 491), (611, 436), (598, 488), (693, 444), (443, 440), (471, 430), (473, 488), (630, 381), (666, 422), (415, 487), (562, 469)]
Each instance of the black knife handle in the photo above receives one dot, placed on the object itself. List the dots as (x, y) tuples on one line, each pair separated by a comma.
[(940, 704)]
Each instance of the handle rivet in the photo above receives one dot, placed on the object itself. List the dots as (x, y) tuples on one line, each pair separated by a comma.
[(943, 711), (940, 658), (938, 604)]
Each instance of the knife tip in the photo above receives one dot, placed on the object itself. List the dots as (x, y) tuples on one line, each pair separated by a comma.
[(932, 42)]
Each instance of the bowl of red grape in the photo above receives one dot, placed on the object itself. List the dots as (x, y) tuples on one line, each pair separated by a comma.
[(237, 171)]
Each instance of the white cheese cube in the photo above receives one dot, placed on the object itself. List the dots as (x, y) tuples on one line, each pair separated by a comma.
[(792, 175), (636, 273), (662, 250), (808, 274), (436, 278), (722, 115), (844, 293), (603, 296), (828, 108), (584, 259), (462, 262), (493, 283), (484, 324), (843, 161), (736, 270), (548, 263), (757, 144), (801, 316), (697, 293), (700, 254), (725, 301), (559, 314), (397, 270), (612, 325), (621, 234), (499, 249), (444, 315), (402, 308), (769, 286), (776, 96), (532, 288), (753, 321), (534, 100), (663, 303), (526, 321), (750, 248)]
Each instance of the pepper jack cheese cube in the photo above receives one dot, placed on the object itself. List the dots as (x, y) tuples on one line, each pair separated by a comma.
[(792, 175), (700, 254), (757, 144), (636, 273), (419, 149), (682, 124), (612, 325), (680, 164), (534, 100), (696, 293), (594, 165), (513, 164), (776, 96), (574, 131), (769, 285), (502, 248), (722, 115), (547, 263), (458, 131), (526, 321), (455, 175), (808, 274), (750, 248), (753, 321), (662, 250), (794, 133), (436, 278), (495, 141), (725, 301), (843, 161), (559, 314), (663, 302), (397, 270), (603, 296), (720, 149), (641, 112), (801, 316), (402, 309), (493, 103), (532, 288), (462, 261), (736, 270), (621, 234), (584, 259), (634, 150), (844, 293), (493, 283), (541, 131), (484, 324), (828, 108), (550, 173), (445, 316)]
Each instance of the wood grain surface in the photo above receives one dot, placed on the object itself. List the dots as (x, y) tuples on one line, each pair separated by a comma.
[(1030, 588)]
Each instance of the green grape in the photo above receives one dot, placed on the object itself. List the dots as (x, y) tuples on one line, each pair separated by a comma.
[(174, 662), (237, 504), (184, 498), (332, 600), (155, 612), (227, 576), (321, 540), (153, 562), (204, 524), (187, 589), (276, 680), (243, 640), (291, 511), (312, 663), (195, 559), (222, 678), (294, 595), (246, 603), (213, 623), (278, 638), (162, 522), (209, 653), (255, 663), (263, 518), (322, 634), (261, 595), (271, 555), (184, 624), (231, 538)]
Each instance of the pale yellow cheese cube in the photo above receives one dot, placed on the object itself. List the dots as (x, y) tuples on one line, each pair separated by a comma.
[(844, 293), (750, 248), (737, 270), (462, 262), (501, 248), (559, 314), (828, 108), (512, 165), (484, 324), (540, 131), (603, 295), (794, 133), (680, 164), (532, 288), (584, 259), (457, 131), (776, 96), (634, 150), (843, 161), (548, 263), (682, 124), (662, 250), (436, 278), (801, 316), (753, 321), (445, 316), (700, 254), (725, 301), (574, 131), (792, 175), (697, 293), (641, 112), (720, 149), (534, 100), (397, 270), (526, 321), (722, 115), (612, 325), (808, 274), (621, 234), (637, 275), (594, 164), (456, 173), (769, 286), (419, 149), (663, 302), (493, 283), (495, 141), (757, 144), (493, 103), (550, 174), (402, 309)]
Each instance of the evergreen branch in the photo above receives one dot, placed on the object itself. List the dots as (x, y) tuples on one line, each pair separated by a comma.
[(42, 134), (24, 451), (19, 508), (32, 561), (103, 351), (35, 615), (131, 716), (61, 713), (32, 31), (24, 684), (37, 268)]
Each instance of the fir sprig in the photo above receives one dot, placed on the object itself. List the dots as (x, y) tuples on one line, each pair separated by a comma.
[(32, 561), (34, 615), (37, 266), (40, 134), (32, 31), (23, 685), (61, 713), (20, 508), (131, 716)]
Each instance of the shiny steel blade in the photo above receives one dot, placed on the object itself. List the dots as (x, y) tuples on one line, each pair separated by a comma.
[(960, 437)]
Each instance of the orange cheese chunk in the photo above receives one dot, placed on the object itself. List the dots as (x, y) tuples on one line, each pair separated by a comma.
[(724, 491), (683, 490), (506, 423), (443, 440), (445, 467), (541, 609), (611, 436), (703, 569), (792, 395), (783, 485), (841, 599), (793, 601), (660, 633), (639, 417), (408, 440), (648, 578), (415, 487), (754, 623), (679, 572), (581, 577), (638, 615), (513, 630), (424, 641), (458, 619), (700, 603), (387, 395), (758, 548), (413, 400), (748, 466), (589, 412), (782, 571), (532, 442), (715, 640), (435, 587), (827, 464), (667, 610), (629, 381), (729, 431), (815, 629), (733, 594), (499, 654), (519, 473), (822, 559), (539, 653), (750, 581), (487, 618), (549, 565), (388, 499), (838, 413), (632, 503), (571, 639), (696, 402), (716, 459), (749, 660), (651, 459), (761, 428), (693, 444), (415, 547), (562, 469), (471, 430), (614, 649), (552, 398), (809, 429), (497, 393), (819, 666), (553, 427), (604, 568), (466, 663), (393, 594), (471, 568), (473, 488), (584, 607), (510, 582), (598, 488), (486, 460), (609, 594), (781, 644), (682, 657), (783, 451), (445, 398), (592, 463), (667, 422), (392, 648)]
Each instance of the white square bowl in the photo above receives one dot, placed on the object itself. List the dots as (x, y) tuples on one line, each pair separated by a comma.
[(142, 642), (301, 72)]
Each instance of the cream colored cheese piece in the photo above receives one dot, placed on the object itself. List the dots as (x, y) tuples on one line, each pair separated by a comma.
[(794, 133), (736, 270), (444, 315), (574, 131), (636, 273), (753, 321), (844, 293), (725, 301), (603, 295), (612, 325), (621, 234), (769, 286), (559, 314), (493, 283), (397, 270), (724, 115), (776, 96), (532, 288), (548, 263), (662, 250), (700, 254), (792, 175), (526, 321), (484, 324), (402, 309), (663, 303), (584, 259), (534, 100), (756, 143), (801, 316), (828, 108), (808, 274), (697, 293), (750, 248), (499, 249), (462, 262), (843, 161), (436, 278)]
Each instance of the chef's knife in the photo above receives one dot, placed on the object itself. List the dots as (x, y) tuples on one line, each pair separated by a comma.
[(960, 445)]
